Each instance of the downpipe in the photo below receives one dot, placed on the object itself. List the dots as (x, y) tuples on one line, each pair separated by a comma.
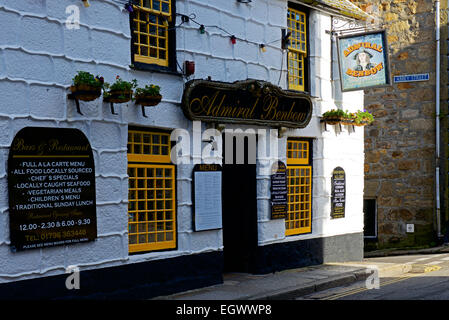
[(437, 125)]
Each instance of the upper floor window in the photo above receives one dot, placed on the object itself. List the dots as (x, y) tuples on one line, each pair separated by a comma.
[(297, 49), (151, 32)]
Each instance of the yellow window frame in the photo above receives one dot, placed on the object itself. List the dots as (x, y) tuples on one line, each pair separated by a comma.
[(152, 193), (297, 152), (299, 186), (150, 30), (297, 49), (146, 146), (151, 7)]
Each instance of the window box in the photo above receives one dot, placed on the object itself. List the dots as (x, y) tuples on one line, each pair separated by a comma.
[(148, 100), (85, 92)]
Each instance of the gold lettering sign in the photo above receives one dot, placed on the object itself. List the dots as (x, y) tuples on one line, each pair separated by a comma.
[(251, 101)]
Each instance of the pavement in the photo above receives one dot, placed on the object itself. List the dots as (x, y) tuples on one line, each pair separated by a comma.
[(294, 283)]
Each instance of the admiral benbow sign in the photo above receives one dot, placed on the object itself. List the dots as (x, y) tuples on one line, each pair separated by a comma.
[(363, 60), (250, 102)]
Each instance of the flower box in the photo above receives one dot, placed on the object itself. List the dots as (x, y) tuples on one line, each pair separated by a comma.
[(118, 96), (147, 100), (85, 92)]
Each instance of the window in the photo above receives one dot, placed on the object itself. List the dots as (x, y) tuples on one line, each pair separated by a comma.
[(150, 31), (152, 200), (297, 49), (299, 184)]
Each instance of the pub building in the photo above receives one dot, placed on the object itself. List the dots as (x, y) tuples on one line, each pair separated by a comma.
[(232, 171)]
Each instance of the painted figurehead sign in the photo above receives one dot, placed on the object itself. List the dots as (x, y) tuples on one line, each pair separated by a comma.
[(338, 199), (51, 187), (279, 190), (363, 61), (250, 102)]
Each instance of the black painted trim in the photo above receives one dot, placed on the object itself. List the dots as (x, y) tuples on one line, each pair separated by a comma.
[(143, 280), (303, 253)]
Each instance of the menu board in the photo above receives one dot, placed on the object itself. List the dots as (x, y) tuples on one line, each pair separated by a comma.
[(51, 187), (207, 195), (278, 190), (338, 193)]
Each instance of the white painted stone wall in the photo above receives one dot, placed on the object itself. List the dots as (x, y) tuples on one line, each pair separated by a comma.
[(39, 56)]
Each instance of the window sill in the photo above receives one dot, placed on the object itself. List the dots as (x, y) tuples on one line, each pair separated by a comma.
[(138, 66)]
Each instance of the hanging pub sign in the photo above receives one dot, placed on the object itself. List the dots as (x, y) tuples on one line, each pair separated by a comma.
[(338, 182), (51, 187), (278, 190), (363, 61), (249, 102), (207, 195)]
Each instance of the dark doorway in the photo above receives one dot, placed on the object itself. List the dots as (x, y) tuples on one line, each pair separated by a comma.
[(370, 219), (239, 203)]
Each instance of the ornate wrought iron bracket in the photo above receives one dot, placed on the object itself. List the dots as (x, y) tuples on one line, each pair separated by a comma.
[(352, 26)]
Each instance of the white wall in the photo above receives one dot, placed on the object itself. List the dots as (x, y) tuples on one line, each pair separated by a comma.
[(39, 56), (332, 148)]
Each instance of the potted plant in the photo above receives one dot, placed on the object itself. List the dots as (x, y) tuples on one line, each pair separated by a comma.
[(337, 116), (362, 118), (120, 91), (148, 96), (86, 86)]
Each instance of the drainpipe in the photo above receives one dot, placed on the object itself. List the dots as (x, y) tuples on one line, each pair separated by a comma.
[(437, 107)]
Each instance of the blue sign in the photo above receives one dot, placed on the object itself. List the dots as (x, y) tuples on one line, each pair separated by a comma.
[(412, 77)]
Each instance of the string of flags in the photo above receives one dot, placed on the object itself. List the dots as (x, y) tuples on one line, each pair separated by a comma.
[(129, 5)]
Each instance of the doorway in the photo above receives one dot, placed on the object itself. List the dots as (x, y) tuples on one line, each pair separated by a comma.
[(239, 203)]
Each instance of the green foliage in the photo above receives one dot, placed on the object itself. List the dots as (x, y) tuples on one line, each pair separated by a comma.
[(149, 90), (336, 114), (87, 78), (361, 116), (121, 85), (357, 117)]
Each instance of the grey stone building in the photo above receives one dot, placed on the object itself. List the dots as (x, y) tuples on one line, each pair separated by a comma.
[(406, 147)]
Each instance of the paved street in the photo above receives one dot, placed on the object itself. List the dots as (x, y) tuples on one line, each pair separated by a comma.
[(427, 278)]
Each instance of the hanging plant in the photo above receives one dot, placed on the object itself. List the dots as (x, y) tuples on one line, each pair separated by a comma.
[(362, 118), (148, 96), (337, 116), (120, 91), (86, 86)]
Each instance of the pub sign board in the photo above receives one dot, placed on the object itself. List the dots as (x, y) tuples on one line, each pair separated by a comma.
[(51, 188), (246, 102), (363, 61), (279, 190), (338, 182)]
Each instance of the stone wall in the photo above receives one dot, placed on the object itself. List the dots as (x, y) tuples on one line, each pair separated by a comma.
[(400, 145)]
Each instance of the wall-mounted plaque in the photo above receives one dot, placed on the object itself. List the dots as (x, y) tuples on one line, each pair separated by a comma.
[(251, 102), (51, 186), (279, 191), (338, 193), (207, 197), (363, 60)]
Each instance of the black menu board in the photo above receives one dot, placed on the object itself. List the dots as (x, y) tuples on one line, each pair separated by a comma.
[(278, 190), (51, 186), (338, 193)]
